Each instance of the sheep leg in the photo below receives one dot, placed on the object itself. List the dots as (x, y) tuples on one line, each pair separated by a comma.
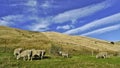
[(31, 58), (28, 58), (41, 57), (24, 58)]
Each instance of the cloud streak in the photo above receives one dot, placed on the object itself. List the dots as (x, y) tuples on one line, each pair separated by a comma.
[(103, 30), (81, 12), (11, 20), (65, 27), (113, 19), (4, 23)]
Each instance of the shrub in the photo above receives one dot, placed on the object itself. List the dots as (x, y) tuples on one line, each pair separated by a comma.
[(112, 42), (55, 49)]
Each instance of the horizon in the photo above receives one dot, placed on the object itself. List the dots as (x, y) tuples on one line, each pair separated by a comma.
[(97, 19)]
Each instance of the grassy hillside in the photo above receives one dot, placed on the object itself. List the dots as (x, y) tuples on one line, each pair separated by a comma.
[(12, 38), (118, 42), (78, 42), (79, 47)]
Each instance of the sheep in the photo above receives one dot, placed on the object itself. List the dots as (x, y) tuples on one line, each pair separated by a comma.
[(63, 54), (102, 55), (38, 53), (26, 54), (17, 51)]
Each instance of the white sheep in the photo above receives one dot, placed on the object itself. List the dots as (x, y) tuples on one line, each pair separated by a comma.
[(17, 51), (38, 53), (102, 55), (35, 53), (26, 54), (63, 54)]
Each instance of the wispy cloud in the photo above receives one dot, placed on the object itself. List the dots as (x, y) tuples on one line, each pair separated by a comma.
[(13, 17), (81, 12), (32, 3), (41, 24), (36, 23), (103, 30), (65, 27), (32, 7), (113, 19), (46, 5), (29, 15), (4, 23), (11, 20)]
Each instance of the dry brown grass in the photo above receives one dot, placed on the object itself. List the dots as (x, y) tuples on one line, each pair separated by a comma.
[(13, 38)]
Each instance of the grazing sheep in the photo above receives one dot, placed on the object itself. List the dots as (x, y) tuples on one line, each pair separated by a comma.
[(63, 54), (26, 54), (38, 53), (17, 51), (102, 55)]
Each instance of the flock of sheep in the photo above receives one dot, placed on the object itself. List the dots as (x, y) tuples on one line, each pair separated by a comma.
[(33, 53), (28, 54)]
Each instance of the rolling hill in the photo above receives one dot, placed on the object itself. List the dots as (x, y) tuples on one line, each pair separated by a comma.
[(12, 38)]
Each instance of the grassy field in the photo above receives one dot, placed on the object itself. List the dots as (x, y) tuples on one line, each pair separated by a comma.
[(7, 60)]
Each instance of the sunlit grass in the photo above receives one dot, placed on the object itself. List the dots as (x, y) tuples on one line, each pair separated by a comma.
[(7, 60)]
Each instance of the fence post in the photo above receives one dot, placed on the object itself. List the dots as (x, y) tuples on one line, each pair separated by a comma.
[(92, 52)]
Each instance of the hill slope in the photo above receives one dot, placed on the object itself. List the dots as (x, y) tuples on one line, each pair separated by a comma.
[(118, 42), (80, 41), (12, 37)]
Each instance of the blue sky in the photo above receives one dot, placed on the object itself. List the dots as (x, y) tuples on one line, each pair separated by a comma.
[(93, 18)]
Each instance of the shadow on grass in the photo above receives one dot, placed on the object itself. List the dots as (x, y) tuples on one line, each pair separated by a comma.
[(38, 58)]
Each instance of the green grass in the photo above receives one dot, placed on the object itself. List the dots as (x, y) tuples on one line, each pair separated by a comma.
[(7, 60)]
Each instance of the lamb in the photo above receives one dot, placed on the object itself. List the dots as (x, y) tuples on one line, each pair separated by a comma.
[(63, 54), (102, 55), (26, 54), (17, 51)]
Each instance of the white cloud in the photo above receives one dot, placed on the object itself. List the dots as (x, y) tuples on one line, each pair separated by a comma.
[(65, 27), (11, 20), (32, 3), (40, 27), (31, 7), (41, 24), (81, 12), (4, 23), (37, 23), (13, 17), (46, 5), (113, 19), (30, 12), (103, 30)]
